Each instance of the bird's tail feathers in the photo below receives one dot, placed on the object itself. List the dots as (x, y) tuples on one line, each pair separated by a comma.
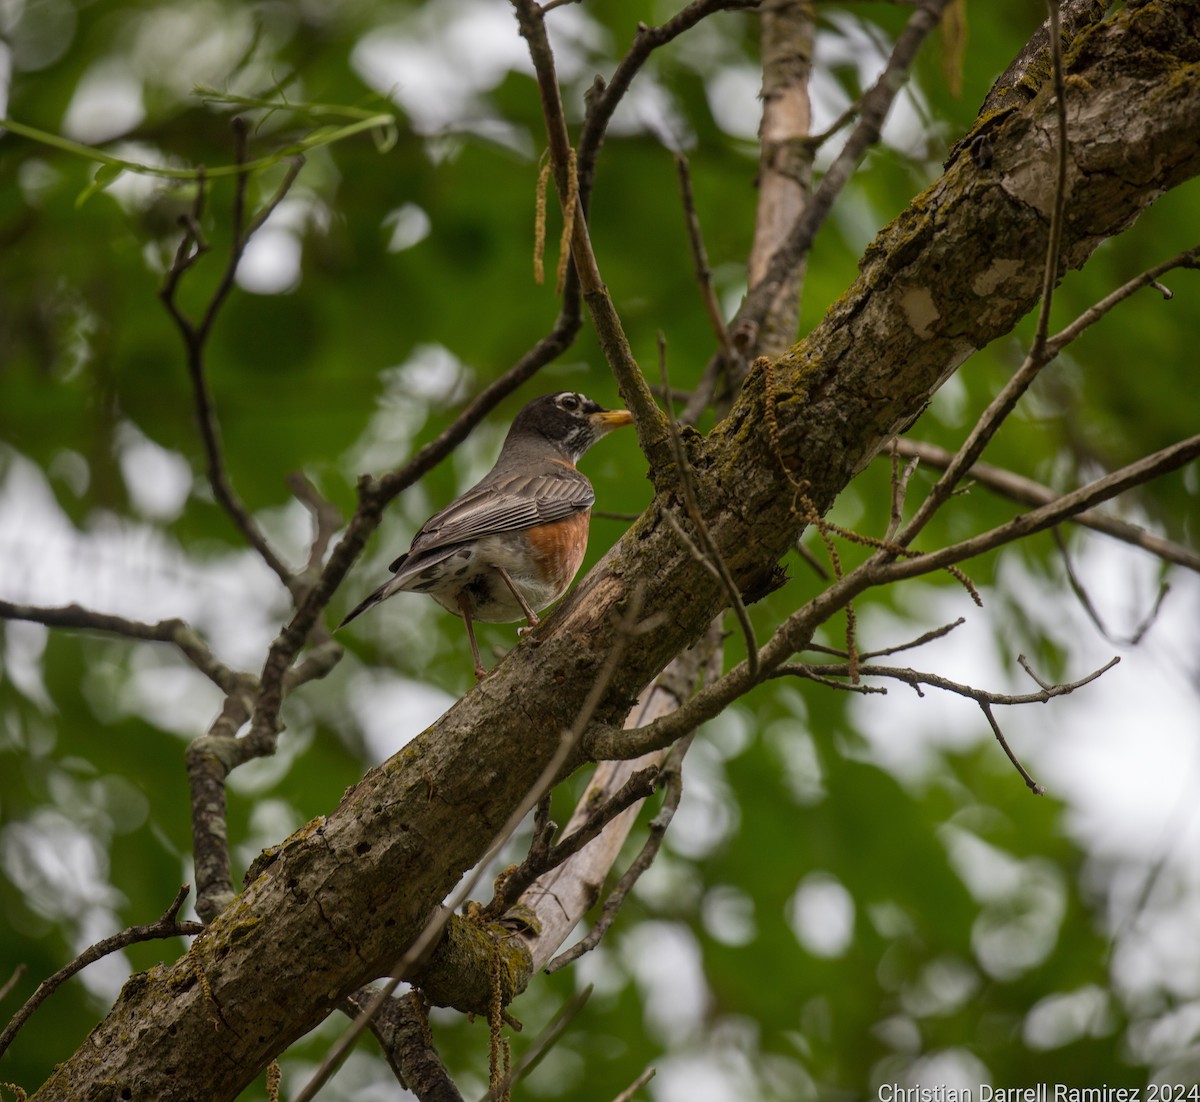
[(381, 594)]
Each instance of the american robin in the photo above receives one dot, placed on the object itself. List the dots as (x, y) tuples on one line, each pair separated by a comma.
[(511, 544)]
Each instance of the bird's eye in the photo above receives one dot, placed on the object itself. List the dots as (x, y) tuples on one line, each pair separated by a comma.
[(569, 402)]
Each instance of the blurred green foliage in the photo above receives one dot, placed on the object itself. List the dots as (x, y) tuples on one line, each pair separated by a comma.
[(410, 287)]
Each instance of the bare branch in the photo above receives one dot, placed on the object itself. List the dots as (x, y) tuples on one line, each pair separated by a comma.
[(327, 519), (700, 262), (920, 641), (796, 632), (811, 673), (900, 480), (875, 106), (1080, 591), (785, 168), (1188, 258), (917, 678), (605, 97), (1028, 492), (195, 337), (672, 777), (12, 981), (166, 926), (1043, 351), (401, 1027), (542, 858), (712, 554), (1065, 507), (982, 697), (648, 419), (627, 1094), (175, 631), (1030, 783)]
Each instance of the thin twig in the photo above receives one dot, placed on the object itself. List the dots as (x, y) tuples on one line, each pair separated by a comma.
[(812, 560), (984, 698), (1028, 492), (672, 780), (327, 519), (1062, 508), (627, 1094), (1188, 258), (1030, 783), (875, 105), (1085, 601), (12, 981), (691, 502), (175, 631), (920, 641), (648, 420), (900, 481), (700, 260), (1003, 404), (195, 337), (1046, 690), (166, 926), (605, 97), (541, 858)]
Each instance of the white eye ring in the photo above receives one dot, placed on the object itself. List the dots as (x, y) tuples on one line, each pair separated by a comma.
[(569, 402)]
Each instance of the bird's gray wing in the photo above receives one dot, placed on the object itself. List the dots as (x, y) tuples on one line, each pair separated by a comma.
[(504, 504)]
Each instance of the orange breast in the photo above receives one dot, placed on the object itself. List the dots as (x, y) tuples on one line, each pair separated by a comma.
[(558, 548)]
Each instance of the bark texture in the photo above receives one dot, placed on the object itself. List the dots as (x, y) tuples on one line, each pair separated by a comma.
[(336, 904)]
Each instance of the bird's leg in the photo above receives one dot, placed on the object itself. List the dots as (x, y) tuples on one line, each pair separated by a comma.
[(464, 606), (530, 615)]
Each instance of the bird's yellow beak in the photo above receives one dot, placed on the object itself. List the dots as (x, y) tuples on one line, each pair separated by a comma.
[(608, 419)]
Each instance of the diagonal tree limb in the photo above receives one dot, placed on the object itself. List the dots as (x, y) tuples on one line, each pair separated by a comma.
[(796, 632), (418, 950), (1018, 488)]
